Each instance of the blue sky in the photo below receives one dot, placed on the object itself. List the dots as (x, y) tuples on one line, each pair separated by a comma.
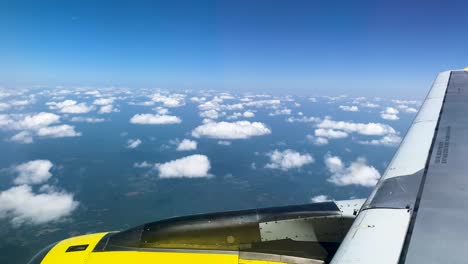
[(386, 48)]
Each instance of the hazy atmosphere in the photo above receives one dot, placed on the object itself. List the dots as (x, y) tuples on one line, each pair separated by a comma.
[(116, 113)]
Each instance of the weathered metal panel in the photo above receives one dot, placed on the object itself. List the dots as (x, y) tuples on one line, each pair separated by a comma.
[(375, 237)]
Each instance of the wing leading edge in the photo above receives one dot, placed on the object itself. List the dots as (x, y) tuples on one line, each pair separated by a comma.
[(383, 230)]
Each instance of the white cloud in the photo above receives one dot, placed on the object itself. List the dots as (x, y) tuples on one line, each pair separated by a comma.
[(36, 124), (87, 119), (4, 106), (248, 114), (106, 109), (186, 145), (406, 102), (319, 141), (104, 101), (194, 166), (330, 133), (389, 140), (23, 137), (151, 119), (161, 110), (411, 110), (348, 108), (369, 129), (357, 173), (33, 172), (211, 114), (58, 131), (303, 119), (407, 109), (288, 159), (22, 206), (224, 143), (369, 105), (271, 103), (173, 100), (28, 122), (320, 199), (71, 107), (231, 130), (20, 102), (133, 143), (390, 113), (284, 111), (142, 165)]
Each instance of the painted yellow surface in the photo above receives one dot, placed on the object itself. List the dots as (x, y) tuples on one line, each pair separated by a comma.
[(466, 69), (134, 257), (249, 261), (58, 255)]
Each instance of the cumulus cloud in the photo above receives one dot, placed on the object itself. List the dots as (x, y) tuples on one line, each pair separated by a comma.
[(59, 131), (172, 100), (142, 165), (284, 111), (320, 199), (22, 206), (87, 119), (406, 102), (28, 122), (133, 143), (319, 141), (194, 166), (35, 124), (288, 159), (357, 173), (303, 119), (389, 140), (186, 145), (248, 114), (224, 143), (211, 114), (231, 130), (33, 172), (330, 133), (161, 110), (390, 113), (106, 109), (154, 119), (4, 106), (369, 105), (71, 107), (407, 109), (348, 108), (23, 137), (369, 129), (104, 101)]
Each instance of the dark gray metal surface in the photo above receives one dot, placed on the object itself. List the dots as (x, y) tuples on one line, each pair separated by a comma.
[(439, 232), (397, 192)]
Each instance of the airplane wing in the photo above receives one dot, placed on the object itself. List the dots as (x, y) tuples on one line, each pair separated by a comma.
[(418, 211)]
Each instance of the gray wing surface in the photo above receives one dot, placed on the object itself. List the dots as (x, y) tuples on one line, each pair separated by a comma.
[(418, 212)]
